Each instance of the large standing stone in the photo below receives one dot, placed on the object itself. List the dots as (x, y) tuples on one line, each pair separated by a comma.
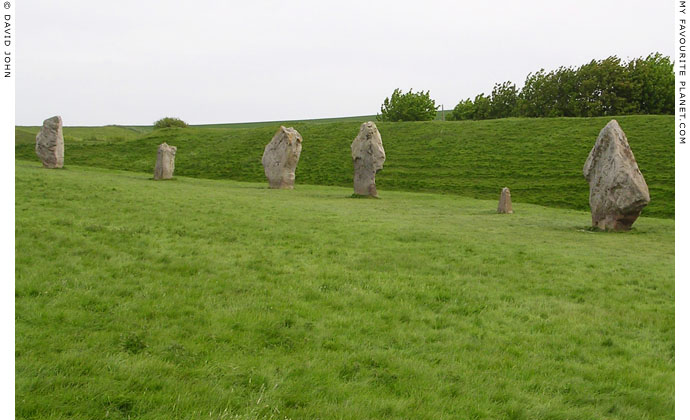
[(50, 145), (280, 158), (617, 190), (367, 157), (505, 206), (165, 162)]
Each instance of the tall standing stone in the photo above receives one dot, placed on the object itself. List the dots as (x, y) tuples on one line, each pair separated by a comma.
[(280, 158), (505, 206), (165, 162), (367, 157), (617, 189), (50, 145)]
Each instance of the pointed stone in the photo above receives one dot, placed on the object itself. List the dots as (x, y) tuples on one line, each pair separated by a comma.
[(367, 157), (165, 162), (505, 206), (617, 189), (280, 158), (50, 145)]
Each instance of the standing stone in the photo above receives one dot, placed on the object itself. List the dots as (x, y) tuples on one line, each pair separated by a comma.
[(617, 189), (50, 145), (280, 158), (505, 206), (165, 162), (367, 157)]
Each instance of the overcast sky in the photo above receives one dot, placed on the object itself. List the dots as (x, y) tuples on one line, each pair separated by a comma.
[(132, 62)]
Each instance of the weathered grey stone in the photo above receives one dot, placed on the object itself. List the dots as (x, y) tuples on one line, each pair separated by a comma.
[(505, 206), (165, 162), (280, 158), (367, 157), (50, 145), (617, 189)]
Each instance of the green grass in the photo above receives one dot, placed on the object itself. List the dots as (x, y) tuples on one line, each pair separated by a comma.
[(540, 160), (199, 298), (26, 136), (24, 132), (359, 119)]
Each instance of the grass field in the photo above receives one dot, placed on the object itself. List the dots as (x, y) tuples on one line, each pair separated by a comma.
[(27, 135), (215, 299), (360, 119), (539, 159)]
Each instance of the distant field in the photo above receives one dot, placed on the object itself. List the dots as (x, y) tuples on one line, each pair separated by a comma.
[(539, 159), (360, 119), (27, 135), (214, 299)]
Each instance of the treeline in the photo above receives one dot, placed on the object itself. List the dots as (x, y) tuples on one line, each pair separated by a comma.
[(598, 88)]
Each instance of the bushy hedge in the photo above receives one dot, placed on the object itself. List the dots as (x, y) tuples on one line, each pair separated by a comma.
[(169, 122), (599, 88), (408, 107)]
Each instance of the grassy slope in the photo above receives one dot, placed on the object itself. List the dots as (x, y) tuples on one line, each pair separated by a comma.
[(539, 159), (27, 135), (273, 124), (96, 132), (360, 119), (197, 298)]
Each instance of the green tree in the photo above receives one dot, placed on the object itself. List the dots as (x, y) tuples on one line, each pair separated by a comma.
[(408, 107), (598, 88), (604, 88), (653, 84), (561, 92), (504, 99), (464, 110), (482, 107), (168, 122), (532, 101)]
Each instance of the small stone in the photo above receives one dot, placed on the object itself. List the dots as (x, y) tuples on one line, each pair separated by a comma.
[(280, 158), (50, 145), (617, 189), (165, 162), (367, 157), (505, 206)]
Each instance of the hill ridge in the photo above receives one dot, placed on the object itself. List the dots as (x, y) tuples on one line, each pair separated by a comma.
[(540, 160)]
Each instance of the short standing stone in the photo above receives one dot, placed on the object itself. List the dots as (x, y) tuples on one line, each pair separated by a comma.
[(280, 158), (165, 162), (505, 206), (617, 189), (50, 145), (367, 157)]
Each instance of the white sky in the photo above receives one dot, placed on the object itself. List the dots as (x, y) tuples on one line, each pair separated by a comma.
[(132, 62)]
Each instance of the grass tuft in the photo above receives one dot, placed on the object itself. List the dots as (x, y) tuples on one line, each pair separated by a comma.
[(133, 343)]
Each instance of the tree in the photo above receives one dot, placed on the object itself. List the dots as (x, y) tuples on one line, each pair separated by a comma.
[(482, 107), (561, 92), (168, 122), (604, 88), (653, 83), (532, 101), (598, 88), (504, 99), (464, 110), (408, 107)]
